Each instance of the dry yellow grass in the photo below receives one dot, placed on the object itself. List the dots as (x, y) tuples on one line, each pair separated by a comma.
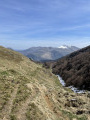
[(30, 92)]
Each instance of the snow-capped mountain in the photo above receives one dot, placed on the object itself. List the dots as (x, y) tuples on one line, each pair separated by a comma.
[(48, 53), (63, 47), (67, 47)]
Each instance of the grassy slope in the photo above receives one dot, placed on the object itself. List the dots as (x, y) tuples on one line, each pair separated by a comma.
[(30, 92)]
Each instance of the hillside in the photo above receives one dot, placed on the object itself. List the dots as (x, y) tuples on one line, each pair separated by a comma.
[(30, 92), (74, 68), (47, 53)]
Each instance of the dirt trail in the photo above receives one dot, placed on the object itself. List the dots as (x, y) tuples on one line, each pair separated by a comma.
[(22, 110), (42, 103), (8, 107), (38, 94)]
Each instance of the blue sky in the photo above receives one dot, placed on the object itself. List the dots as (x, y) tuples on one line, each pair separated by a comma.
[(27, 23)]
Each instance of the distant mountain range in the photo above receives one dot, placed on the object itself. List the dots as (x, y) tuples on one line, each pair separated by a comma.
[(48, 53), (74, 68)]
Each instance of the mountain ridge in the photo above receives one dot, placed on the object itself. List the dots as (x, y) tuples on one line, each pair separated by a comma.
[(47, 53)]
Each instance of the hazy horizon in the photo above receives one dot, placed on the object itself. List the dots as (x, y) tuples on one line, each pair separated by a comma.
[(28, 44)]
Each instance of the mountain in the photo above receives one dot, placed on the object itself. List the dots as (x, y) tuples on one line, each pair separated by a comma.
[(47, 53), (28, 91), (74, 68), (68, 47)]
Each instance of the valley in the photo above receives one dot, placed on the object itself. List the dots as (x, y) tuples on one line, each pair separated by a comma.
[(28, 91), (44, 59), (73, 68)]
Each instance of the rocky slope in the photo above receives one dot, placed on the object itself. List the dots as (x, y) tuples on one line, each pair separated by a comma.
[(47, 53), (74, 68), (30, 92)]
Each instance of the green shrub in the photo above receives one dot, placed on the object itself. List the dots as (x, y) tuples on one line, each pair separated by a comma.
[(13, 117)]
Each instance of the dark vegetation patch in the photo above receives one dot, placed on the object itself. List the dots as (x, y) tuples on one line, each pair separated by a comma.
[(74, 68)]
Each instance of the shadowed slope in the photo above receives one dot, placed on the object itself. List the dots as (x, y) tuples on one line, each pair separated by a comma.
[(75, 68)]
